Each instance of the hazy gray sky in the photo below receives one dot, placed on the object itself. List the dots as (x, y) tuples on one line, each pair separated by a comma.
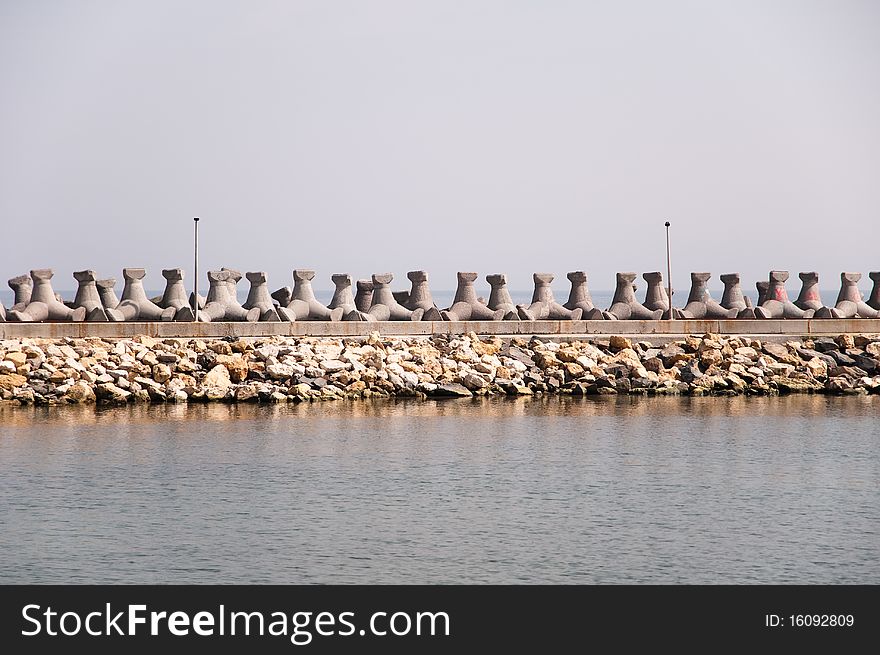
[(380, 135)]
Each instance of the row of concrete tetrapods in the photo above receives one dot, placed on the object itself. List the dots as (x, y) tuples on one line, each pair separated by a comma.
[(373, 300)]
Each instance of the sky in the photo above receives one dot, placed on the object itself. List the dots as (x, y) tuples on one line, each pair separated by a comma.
[(384, 135)]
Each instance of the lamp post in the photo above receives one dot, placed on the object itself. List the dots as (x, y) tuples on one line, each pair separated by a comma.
[(196, 270), (668, 271)]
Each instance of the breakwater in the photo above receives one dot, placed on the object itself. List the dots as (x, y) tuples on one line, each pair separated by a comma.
[(289, 369), (35, 300)]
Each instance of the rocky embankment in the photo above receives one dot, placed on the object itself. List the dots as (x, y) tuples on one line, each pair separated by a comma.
[(284, 369)]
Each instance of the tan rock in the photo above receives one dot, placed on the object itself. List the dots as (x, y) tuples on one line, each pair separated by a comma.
[(711, 357), (80, 392), (161, 373), (17, 358), (236, 365), (545, 359), (217, 378), (247, 393), (747, 351), (220, 347), (817, 368), (11, 381), (617, 342), (846, 341), (572, 370)]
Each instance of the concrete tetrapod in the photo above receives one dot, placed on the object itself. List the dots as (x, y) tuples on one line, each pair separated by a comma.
[(733, 297), (420, 297), (283, 295), (466, 306), (43, 304), (363, 299), (87, 296), (810, 298), (700, 304), (221, 305), (544, 305), (777, 305), (175, 295), (579, 297), (304, 305), (624, 305), (21, 286), (107, 293), (874, 299), (656, 295), (763, 287), (499, 296), (134, 304), (850, 303), (383, 306), (342, 295), (258, 296)]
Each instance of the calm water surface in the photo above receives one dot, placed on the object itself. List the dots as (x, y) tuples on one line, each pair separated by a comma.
[(607, 490)]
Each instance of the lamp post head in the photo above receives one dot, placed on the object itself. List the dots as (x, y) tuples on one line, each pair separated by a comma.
[(667, 223), (196, 219)]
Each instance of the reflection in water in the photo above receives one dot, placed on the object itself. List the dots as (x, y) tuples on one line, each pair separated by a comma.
[(607, 489)]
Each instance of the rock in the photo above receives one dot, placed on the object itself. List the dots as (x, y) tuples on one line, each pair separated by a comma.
[(474, 382), (161, 373), (17, 358), (747, 351), (545, 360), (110, 393), (808, 354), (673, 353), (841, 359), (220, 347), (711, 357), (791, 385), (867, 364), (216, 393), (521, 356), (654, 364), (80, 392), (302, 390), (616, 343), (690, 372), (452, 389), (838, 385), (11, 381), (280, 371), (845, 341), (824, 344), (845, 371), (873, 349), (780, 353), (817, 367), (334, 365), (572, 370), (236, 365), (779, 368), (217, 378)]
